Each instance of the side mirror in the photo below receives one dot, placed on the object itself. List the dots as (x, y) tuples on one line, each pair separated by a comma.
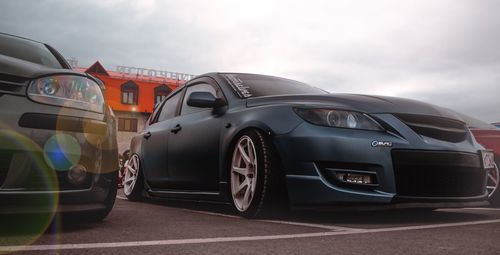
[(204, 100)]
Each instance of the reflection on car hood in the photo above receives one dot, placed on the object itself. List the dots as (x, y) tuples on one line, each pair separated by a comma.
[(361, 103), (25, 69)]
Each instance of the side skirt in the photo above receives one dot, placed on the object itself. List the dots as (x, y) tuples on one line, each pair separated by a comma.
[(197, 195)]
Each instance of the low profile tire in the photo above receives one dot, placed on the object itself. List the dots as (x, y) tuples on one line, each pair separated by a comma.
[(493, 186), (133, 183), (255, 182)]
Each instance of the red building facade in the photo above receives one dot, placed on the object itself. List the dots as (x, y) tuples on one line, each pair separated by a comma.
[(132, 93)]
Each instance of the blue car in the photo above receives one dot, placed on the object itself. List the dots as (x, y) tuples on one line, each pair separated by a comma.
[(258, 141)]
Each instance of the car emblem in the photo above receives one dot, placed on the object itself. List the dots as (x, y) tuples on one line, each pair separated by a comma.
[(381, 144)]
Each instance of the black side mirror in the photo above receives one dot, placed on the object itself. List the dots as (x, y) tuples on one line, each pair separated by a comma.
[(204, 100)]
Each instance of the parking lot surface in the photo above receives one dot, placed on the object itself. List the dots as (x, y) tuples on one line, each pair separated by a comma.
[(169, 227)]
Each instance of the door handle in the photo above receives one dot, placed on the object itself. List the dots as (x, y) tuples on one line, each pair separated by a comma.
[(176, 129), (147, 135)]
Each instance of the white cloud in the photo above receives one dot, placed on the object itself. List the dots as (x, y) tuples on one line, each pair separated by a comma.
[(444, 52)]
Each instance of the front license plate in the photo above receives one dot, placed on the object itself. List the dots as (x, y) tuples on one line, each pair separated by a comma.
[(488, 159)]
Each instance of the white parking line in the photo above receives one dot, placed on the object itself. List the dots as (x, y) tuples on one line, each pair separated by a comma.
[(293, 223), (312, 225), (214, 214), (483, 209), (231, 239)]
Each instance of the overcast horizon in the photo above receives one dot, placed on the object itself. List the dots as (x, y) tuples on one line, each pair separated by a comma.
[(441, 52)]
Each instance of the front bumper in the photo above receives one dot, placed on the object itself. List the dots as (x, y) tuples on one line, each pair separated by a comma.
[(309, 151), (28, 182)]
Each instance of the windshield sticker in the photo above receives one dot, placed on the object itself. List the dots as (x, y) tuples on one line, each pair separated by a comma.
[(237, 85)]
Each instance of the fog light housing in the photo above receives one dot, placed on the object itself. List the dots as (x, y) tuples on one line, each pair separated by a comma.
[(77, 175), (357, 178)]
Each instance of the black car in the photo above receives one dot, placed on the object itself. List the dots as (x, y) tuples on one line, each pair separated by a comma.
[(255, 140), (58, 148)]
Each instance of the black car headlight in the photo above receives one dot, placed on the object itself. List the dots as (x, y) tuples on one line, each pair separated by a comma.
[(338, 118), (68, 91)]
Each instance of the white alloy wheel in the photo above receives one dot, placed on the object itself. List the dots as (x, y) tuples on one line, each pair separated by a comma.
[(243, 173), (131, 174), (493, 181)]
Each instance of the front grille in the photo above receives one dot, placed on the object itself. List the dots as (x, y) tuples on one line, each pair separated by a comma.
[(438, 174), (13, 84), (38, 176), (5, 159), (49, 179), (435, 127)]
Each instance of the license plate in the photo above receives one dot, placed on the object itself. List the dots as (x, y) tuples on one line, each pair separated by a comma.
[(488, 159)]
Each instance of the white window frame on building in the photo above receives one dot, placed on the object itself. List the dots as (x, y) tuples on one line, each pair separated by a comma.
[(129, 93), (161, 92)]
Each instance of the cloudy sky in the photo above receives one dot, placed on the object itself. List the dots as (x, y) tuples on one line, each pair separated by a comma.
[(443, 52)]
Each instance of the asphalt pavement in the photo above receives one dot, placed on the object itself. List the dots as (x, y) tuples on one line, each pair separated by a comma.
[(172, 227)]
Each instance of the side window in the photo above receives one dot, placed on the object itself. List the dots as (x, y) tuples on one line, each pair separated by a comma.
[(203, 87), (169, 107)]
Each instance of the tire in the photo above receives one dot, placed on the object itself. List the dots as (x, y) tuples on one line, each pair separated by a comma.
[(133, 183), (494, 196), (255, 179)]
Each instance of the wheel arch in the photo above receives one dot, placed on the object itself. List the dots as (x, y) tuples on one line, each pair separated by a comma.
[(231, 139)]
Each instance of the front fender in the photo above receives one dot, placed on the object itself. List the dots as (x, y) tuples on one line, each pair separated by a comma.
[(271, 120), (136, 145)]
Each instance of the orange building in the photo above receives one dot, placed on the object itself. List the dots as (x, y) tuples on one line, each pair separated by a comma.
[(132, 93)]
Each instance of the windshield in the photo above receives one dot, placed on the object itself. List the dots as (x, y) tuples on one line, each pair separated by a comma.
[(253, 85), (27, 50)]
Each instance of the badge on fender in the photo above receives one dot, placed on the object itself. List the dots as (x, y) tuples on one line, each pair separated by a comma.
[(381, 144)]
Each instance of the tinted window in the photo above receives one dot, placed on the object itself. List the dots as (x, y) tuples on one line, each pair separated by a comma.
[(186, 109), (27, 50), (252, 85), (169, 107)]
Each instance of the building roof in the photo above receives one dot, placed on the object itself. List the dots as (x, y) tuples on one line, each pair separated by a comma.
[(147, 87), (98, 68)]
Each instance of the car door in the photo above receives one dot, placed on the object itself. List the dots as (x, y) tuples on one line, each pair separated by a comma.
[(155, 143), (193, 144)]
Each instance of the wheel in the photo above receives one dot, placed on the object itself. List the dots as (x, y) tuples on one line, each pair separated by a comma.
[(133, 184), (492, 186), (254, 174)]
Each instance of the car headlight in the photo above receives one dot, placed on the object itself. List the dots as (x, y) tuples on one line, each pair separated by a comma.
[(338, 118), (68, 91)]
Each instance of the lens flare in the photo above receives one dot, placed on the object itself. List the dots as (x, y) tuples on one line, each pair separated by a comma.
[(19, 229), (62, 151)]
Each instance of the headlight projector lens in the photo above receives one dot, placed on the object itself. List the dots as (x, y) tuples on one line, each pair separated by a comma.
[(50, 87)]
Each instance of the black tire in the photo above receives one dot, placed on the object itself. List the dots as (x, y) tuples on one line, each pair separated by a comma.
[(136, 193), (270, 191), (495, 197)]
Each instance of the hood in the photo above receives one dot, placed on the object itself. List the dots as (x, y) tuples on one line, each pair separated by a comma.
[(361, 103), (24, 69), (15, 74)]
